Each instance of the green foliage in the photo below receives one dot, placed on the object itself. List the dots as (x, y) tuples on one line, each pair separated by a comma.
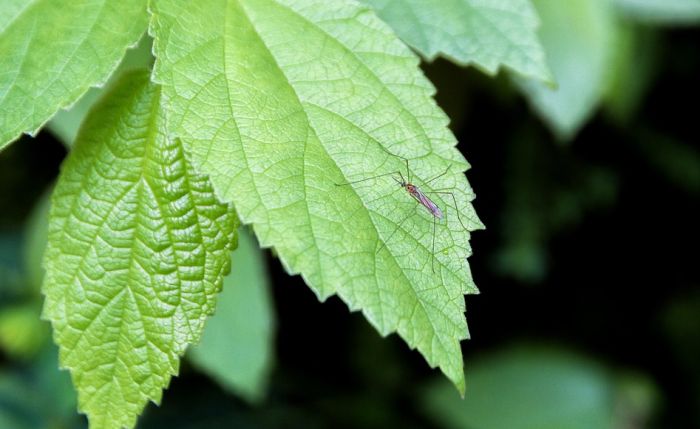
[(39, 396), (137, 250), (40, 73), (279, 118), (636, 54), (535, 387), (36, 235), (578, 36), (663, 12), (66, 123), (551, 192), (22, 333), (300, 112), (678, 162), (237, 344), (487, 34)]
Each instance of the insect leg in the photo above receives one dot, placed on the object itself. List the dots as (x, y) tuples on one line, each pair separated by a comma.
[(408, 172), (454, 200), (439, 175), (384, 242), (432, 255)]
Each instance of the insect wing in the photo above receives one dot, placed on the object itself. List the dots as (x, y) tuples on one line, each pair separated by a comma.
[(427, 203)]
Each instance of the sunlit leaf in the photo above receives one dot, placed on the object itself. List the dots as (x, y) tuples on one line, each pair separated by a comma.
[(138, 248), (65, 123), (52, 51), (281, 101), (486, 33)]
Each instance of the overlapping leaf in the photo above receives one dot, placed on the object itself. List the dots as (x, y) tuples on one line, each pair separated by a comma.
[(138, 247), (664, 12), (52, 51), (66, 123), (237, 344), (535, 387), (486, 33), (579, 38), (281, 100)]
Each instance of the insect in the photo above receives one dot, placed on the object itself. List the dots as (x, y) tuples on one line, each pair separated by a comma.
[(420, 197)]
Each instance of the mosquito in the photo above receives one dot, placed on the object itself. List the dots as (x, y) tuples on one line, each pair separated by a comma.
[(421, 198)]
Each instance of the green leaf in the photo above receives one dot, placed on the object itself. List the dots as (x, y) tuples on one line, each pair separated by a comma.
[(526, 388), (237, 344), (635, 63), (550, 190), (677, 161), (22, 333), (36, 233), (65, 123), (488, 34), (37, 394), (578, 38), (52, 51), (280, 101), (661, 12), (138, 248)]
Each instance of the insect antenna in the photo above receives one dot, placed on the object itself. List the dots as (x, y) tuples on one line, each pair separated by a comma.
[(369, 178), (408, 172)]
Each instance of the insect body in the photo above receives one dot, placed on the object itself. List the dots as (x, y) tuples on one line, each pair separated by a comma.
[(420, 197), (423, 199)]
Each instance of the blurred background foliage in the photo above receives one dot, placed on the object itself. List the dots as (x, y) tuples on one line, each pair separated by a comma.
[(589, 315)]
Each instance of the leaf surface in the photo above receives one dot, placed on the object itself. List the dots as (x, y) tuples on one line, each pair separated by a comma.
[(52, 51), (579, 40), (661, 12), (138, 248), (237, 344), (486, 33), (279, 102), (66, 123), (525, 387)]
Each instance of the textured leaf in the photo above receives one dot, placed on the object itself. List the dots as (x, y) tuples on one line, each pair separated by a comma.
[(65, 123), (236, 347), (486, 33), (52, 51), (664, 12), (278, 101), (578, 37), (138, 247)]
